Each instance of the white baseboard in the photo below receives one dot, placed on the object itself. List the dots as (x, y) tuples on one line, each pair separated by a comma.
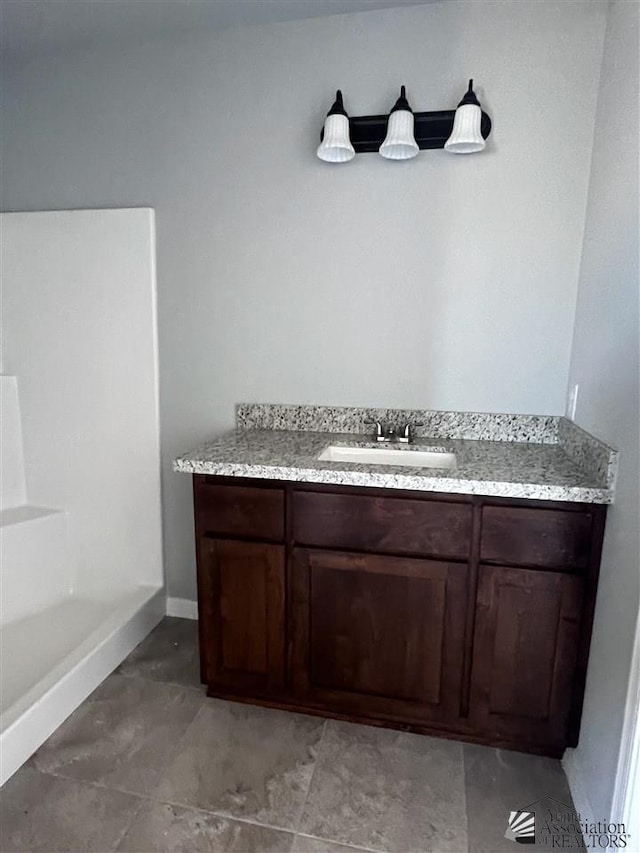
[(575, 777), (182, 607)]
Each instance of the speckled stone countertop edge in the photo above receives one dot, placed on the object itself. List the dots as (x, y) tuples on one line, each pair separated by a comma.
[(588, 453), (421, 483), (497, 455)]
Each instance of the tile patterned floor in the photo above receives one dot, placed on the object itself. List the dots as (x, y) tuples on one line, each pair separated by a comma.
[(148, 764)]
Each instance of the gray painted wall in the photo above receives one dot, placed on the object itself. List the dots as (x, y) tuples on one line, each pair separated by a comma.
[(604, 362), (444, 282)]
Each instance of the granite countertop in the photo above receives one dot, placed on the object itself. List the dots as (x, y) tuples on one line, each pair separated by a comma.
[(542, 470)]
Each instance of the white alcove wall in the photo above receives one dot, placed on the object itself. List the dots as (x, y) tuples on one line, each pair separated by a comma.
[(81, 573), (79, 333)]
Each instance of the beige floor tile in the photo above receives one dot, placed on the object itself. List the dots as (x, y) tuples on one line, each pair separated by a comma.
[(387, 790), (501, 781), (123, 735), (168, 654), (47, 813), (163, 828), (245, 762), (306, 844)]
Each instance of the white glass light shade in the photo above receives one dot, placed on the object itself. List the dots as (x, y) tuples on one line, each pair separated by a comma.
[(466, 137), (336, 146), (399, 143)]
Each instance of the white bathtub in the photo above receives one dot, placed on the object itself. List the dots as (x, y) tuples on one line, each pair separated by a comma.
[(81, 575), (56, 642), (60, 634), (51, 660)]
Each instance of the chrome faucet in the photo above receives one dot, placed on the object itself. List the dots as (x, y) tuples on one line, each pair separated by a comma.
[(387, 433), (382, 432), (406, 432)]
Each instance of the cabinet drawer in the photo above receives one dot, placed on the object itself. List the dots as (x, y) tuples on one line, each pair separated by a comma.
[(242, 511), (380, 524), (536, 537)]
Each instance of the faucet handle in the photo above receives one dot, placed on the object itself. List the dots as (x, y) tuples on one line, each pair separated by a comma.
[(406, 431), (379, 433), (377, 424)]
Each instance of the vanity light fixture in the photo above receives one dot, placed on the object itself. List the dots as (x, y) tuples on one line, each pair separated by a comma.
[(400, 143), (336, 146), (466, 136), (403, 133)]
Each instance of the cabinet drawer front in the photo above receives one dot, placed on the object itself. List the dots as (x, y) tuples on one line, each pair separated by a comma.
[(239, 511), (383, 525), (536, 537)]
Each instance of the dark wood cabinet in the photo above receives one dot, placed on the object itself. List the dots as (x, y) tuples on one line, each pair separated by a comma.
[(463, 616), (242, 614), (378, 634), (524, 653)]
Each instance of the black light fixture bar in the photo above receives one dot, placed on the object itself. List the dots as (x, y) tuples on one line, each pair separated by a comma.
[(431, 130)]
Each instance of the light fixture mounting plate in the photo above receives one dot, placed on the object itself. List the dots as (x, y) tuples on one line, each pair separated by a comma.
[(431, 130)]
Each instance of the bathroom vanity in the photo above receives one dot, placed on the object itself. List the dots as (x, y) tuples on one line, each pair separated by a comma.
[(454, 613)]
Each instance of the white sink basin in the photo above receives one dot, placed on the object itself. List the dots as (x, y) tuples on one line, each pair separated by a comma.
[(389, 456)]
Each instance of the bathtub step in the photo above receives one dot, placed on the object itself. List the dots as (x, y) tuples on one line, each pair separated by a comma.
[(52, 660), (35, 571)]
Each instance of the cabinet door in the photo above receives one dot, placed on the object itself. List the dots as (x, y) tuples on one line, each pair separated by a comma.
[(526, 639), (378, 635), (241, 611)]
